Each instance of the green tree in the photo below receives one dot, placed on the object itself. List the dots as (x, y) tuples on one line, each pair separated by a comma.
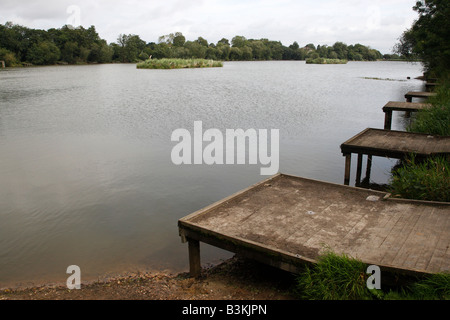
[(130, 47), (203, 42), (179, 40), (429, 36), (238, 41), (223, 41), (235, 53), (43, 53)]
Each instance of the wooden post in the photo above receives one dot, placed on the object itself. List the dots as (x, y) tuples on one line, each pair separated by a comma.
[(358, 169), (3, 64), (194, 258), (369, 167), (388, 120), (348, 160), (409, 99)]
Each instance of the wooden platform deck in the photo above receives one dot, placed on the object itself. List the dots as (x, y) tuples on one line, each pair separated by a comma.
[(418, 94), (400, 106), (392, 144), (287, 221)]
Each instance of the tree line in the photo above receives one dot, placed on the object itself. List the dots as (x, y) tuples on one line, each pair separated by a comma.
[(20, 45)]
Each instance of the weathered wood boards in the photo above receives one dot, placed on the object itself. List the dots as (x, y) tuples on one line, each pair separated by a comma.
[(392, 144), (418, 94), (400, 106), (288, 221)]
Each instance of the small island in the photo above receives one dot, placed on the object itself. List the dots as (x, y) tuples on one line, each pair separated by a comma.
[(325, 61), (167, 63)]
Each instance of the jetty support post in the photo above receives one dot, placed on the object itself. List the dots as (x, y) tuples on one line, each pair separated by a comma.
[(358, 169), (348, 160), (387, 120), (194, 258), (3, 64), (368, 167)]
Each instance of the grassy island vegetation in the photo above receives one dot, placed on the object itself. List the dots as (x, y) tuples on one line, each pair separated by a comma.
[(178, 63), (325, 61)]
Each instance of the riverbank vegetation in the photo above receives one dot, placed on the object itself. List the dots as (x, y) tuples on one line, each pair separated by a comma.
[(339, 277), (178, 63), (428, 41), (22, 46), (427, 179)]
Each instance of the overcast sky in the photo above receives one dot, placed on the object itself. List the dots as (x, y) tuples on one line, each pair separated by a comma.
[(376, 23)]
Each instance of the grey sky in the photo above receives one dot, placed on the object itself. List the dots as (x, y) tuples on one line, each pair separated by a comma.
[(376, 23)]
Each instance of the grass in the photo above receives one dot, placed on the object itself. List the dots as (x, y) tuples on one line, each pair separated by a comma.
[(178, 63), (334, 277), (325, 61), (428, 179), (436, 119), (338, 277)]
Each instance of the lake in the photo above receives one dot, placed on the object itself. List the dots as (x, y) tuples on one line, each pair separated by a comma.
[(86, 176)]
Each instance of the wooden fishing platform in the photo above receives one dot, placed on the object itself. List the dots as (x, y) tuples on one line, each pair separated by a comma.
[(400, 106), (392, 144), (418, 94), (288, 221)]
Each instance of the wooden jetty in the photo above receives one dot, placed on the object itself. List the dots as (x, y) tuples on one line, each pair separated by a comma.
[(400, 106), (392, 144), (288, 221), (418, 94)]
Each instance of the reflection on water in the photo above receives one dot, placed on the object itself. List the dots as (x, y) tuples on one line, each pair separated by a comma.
[(85, 170)]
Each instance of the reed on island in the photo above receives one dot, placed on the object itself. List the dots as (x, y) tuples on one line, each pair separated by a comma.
[(167, 63)]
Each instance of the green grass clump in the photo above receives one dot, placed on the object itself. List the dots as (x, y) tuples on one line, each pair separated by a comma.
[(325, 61), (436, 119), (334, 277), (178, 63), (422, 180), (339, 277)]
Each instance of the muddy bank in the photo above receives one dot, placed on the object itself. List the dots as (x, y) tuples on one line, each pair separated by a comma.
[(234, 279)]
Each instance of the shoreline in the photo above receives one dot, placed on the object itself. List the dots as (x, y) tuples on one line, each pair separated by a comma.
[(233, 279)]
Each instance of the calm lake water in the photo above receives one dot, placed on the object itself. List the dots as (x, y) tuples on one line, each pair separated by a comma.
[(86, 176)]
